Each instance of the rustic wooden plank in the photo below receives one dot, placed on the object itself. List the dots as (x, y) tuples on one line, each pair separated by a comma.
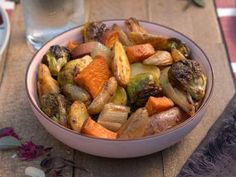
[(200, 25), (110, 9), (15, 110), (149, 166)]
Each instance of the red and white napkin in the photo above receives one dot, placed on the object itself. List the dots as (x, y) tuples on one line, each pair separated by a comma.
[(226, 11)]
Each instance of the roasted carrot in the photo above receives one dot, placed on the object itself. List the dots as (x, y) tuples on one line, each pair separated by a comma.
[(138, 53), (156, 105), (92, 128), (72, 44), (109, 38), (94, 76)]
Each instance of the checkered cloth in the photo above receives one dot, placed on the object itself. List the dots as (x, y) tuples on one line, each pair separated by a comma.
[(226, 11)]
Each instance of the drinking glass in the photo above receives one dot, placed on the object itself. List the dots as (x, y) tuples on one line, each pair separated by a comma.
[(45, 19)]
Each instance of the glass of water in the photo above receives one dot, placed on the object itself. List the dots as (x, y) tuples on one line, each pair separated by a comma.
[(45, 19)]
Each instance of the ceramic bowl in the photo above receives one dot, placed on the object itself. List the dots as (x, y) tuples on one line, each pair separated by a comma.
[(118, 148)]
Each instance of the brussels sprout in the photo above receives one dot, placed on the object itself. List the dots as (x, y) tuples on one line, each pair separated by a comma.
[(56, 57), (120, 97), (122, 36), (135, 126), (66, 75), (138, 68), (93, 31), (54, 105), (140, 88), (178, 97), (187, 75), (77, 115), (46, 84), (74, 92)]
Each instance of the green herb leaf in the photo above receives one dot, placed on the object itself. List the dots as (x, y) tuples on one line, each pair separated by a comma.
[(199, 3), (9, 142)]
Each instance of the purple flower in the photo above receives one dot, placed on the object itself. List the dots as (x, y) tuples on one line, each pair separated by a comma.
[(8, 131), (30, 151)]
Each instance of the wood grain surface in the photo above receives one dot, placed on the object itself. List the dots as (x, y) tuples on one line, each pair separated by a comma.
[(198, 24)]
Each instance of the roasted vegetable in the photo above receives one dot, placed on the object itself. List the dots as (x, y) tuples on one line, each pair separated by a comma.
[(122, 35), (120, 64), (138, 68), (94, 76), (120, 97), (92, 128), (66, 75), (163, 121), (74, 92), (77, 115), (83, 49), (54, 105), (160, 58), (72, 44), (187, 75), (179, 45), (133, 26), (135, 126), (46, 84), (177, 55), (178, 97), (109, 38), (113, 116), (56, 57), (140, 88), (158, 104), (138, 53), (157, 41), (93, 31), (104, 96), (102, 50)]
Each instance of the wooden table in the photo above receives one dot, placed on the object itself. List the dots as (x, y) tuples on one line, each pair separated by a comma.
[(199, 24)]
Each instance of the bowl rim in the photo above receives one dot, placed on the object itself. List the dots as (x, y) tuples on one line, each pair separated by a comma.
[(171, 130)]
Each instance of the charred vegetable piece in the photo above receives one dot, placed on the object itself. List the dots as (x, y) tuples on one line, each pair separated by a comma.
[(187, 74), (46, 84), (113, 116), (174, 43), (74, 92), (135, 126), (94, 76), (122, 35), (66, 75), (157, 41), (120, 64), (120, 97), (177, 55), (158, 104), (178, 97), (160, 58), (77, 115), (56, 57), (104, 96), (109, 38), (140, 88), (92, 128), (138, 68), (138, 53), (133, 26), (93, 31), (163, 121), (54, 105)]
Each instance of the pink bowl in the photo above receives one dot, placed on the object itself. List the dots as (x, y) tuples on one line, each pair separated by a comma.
[(118, 148)]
